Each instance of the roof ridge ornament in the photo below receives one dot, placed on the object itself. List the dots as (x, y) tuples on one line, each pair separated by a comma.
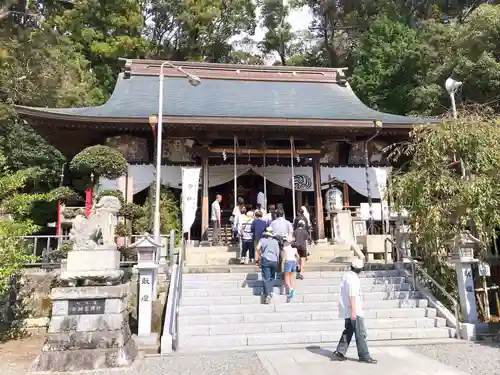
[(127, 68), (341, 77)]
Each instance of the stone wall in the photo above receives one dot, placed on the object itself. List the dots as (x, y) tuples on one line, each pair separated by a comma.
[(29, 304)]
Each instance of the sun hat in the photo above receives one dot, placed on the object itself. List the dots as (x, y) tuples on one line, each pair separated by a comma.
[(357, 263), (269, 232)]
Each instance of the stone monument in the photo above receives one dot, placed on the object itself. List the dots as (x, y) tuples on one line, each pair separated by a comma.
[(89, 325)]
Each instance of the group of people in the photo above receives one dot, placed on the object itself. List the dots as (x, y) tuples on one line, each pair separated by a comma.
[(249, 228), (278, 246)]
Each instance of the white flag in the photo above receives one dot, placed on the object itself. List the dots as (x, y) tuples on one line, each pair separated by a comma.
[(190, 186)]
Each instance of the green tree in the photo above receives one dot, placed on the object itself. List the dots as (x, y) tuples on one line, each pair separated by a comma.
[(98, 161), (440, 202), (198, 30), (170, 215), (13, 254), (244, 51), (279, 36), (103, 31), (388, 66)]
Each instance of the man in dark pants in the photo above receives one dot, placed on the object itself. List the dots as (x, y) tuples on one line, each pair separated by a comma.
[(351, 309), (215, 217), (267, 255)]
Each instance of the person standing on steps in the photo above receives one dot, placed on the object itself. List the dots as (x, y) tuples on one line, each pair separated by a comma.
[(259, 225), (290, 266), (267, 255), (301, 238), (247, 244), (236, 214), (216, 220), (351, 309)]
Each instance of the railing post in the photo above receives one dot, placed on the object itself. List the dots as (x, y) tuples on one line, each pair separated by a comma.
[(172, 248)]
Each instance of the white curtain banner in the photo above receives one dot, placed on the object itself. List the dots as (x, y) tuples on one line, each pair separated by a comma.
[(190, 186), (143, 175)]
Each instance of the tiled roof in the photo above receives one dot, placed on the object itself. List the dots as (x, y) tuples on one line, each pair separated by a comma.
[(136, 96)]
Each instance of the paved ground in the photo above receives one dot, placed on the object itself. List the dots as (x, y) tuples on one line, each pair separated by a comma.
[(316, 361), (444, 359)]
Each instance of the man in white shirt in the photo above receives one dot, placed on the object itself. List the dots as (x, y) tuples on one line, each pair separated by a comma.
[(215, 218), (261, 199), (351, 309)]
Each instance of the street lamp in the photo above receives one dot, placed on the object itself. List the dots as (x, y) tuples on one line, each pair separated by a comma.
[(194, 81), (452, 87)]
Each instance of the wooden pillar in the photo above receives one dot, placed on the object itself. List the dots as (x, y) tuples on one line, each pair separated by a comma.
[(318, 199), (298, 199), (204, 199)]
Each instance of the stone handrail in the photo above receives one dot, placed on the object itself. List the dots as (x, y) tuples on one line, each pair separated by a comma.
[(415, 266), (170, 337)]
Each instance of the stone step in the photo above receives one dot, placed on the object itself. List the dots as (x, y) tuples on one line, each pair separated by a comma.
[(369, 298), (297, 316), (206, 284), (310, 266), (280, 339), (331, 346), (309, 275), (279, 305), (304, 326), (300, 289)]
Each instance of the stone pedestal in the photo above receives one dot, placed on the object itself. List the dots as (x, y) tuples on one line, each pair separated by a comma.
[(342, 227), (88, 330), (375, 245)]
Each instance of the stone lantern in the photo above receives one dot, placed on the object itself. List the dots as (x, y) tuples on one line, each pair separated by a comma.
[(146, 265), (462, 256)]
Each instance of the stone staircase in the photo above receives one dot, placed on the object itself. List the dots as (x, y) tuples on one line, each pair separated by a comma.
[(225, 311)]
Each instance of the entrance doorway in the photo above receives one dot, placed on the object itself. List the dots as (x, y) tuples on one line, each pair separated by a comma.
[(249, 185)]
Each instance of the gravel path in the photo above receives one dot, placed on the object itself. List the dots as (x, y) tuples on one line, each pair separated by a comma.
[(482, 358), (224, 363)]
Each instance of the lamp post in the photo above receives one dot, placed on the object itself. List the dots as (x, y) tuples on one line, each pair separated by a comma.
[(452, 87), (194, 81)]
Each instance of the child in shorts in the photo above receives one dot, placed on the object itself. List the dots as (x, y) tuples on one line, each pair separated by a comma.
[(290, 265)]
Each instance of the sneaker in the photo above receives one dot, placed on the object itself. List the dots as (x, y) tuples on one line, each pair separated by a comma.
[(338, 356), (291, 293), (252, 261), (246, 260), (242, 261), (369, 360), (268, 300)]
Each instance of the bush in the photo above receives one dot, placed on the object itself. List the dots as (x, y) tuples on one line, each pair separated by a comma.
[(101, 161), (122, 230), (113, 193), (131, 211), (170, 215), (71, 213)]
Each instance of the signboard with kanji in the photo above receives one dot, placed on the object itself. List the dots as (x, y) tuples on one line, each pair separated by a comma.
[(86, 307)]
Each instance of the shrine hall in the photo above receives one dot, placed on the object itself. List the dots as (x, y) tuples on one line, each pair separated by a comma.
[(293, 133)]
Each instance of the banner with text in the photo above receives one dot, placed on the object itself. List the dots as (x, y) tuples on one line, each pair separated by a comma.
[(190, 186)]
